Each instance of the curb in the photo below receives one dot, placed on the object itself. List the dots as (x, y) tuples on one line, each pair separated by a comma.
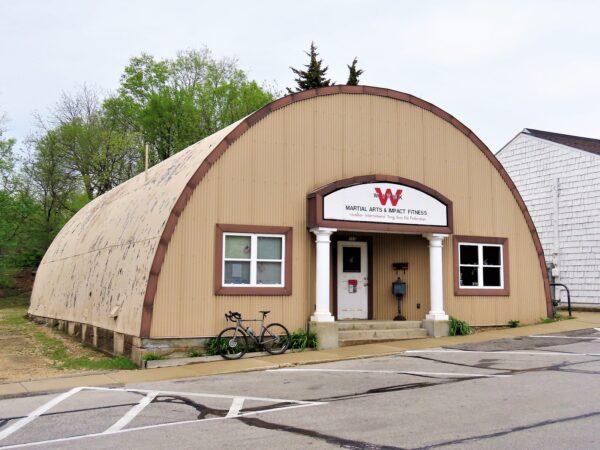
[(259, 363)]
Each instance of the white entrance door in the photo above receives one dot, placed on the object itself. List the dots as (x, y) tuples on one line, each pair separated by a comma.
[(353, 281)]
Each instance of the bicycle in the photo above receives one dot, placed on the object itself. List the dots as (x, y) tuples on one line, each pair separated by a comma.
[(232, 342)]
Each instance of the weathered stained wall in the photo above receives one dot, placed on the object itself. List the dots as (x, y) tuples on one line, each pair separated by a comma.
[(263, 179), (99, 262)]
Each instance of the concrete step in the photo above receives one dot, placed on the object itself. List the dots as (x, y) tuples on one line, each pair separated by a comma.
[(409, 333), (377, 324)]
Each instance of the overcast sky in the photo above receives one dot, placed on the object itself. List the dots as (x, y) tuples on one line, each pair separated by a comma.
[(497, 66)]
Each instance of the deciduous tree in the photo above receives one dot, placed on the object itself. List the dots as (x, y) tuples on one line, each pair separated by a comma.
[(173, 103)]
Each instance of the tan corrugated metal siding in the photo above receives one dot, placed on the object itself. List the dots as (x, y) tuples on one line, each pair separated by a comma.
[(264, 177), (387, 249)]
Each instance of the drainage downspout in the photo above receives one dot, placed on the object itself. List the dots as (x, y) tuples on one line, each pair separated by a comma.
[(555, 272)]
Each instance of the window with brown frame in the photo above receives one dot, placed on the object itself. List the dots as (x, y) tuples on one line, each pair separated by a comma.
[(253, 260), (481, 266)]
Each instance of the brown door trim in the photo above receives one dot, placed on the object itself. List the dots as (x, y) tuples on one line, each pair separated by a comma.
[(335, 238)]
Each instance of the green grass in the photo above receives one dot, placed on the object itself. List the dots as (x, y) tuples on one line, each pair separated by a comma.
[(151, 356), (13, 311), (556, 318)]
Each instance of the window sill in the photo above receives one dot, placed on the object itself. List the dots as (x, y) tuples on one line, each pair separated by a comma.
[(253, 290), (478, 292)]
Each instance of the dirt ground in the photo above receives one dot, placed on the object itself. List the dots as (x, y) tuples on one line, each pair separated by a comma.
[(21, 359), (31, 351)]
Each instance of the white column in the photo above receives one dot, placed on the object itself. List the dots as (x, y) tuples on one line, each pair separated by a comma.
[(322, 313), (436, 285)]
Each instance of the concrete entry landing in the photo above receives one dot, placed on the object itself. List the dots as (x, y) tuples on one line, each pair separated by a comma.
[(355, 332)]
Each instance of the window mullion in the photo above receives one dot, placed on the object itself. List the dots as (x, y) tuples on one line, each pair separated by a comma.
[(480, 267), (253, 254)]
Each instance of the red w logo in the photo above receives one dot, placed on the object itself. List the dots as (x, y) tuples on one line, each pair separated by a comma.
[(383, 198)]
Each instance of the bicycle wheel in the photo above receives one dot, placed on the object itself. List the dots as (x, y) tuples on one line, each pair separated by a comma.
[(275, 339), (232, 343)]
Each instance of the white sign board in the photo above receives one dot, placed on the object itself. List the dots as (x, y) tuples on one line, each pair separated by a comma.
[(384, 203)]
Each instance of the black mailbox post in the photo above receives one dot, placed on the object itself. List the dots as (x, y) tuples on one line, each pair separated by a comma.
[(399, 290), (398, 287)]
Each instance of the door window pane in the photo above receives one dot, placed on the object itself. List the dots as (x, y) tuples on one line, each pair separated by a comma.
[(468, 254), (237, 272), (491, 276), (238, 247), (491, 256), (351, 259), (268, 273), (269, 248)]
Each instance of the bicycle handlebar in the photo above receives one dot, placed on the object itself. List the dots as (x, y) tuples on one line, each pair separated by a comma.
[(233, 316)]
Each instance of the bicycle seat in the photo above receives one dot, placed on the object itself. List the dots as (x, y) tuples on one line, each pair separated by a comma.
[(264, 313)]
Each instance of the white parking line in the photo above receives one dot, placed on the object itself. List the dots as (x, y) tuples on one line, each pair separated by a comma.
[(130, 415), (566, 337), (501, 352), (37, 413), (236, 406), (201, 394), (237, 402), (398, 372)]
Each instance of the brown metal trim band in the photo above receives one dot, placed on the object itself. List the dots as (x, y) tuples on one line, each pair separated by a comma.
[(251, 120)]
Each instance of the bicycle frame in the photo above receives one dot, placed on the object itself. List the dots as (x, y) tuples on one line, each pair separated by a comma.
[(255, 337)]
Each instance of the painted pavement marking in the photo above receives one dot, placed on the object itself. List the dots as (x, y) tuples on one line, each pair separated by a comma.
[(132, 413), (118, 427), (593, 338), (500, 352), (236, 406), (37, 413), (398, 372)]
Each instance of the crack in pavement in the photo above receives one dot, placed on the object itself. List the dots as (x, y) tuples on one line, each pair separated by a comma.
[(511, 430), (330, 439)]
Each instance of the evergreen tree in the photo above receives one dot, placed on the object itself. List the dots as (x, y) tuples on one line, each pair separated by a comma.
[(354, 73), (313, 76)]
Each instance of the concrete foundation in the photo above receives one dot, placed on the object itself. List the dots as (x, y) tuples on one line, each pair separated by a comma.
[(437, 328), (327, 333)]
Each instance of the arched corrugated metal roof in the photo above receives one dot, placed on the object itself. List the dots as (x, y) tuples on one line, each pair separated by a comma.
[(99, 264)]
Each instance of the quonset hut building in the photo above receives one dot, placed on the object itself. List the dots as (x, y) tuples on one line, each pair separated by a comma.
[(301, 208)]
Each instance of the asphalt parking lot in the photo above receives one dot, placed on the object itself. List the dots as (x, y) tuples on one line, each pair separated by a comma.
[(531, 392)]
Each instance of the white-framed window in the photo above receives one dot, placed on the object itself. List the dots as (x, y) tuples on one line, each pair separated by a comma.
[(480, 266), (253, 260)]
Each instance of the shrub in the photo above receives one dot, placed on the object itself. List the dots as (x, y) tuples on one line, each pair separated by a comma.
[(194, 353), (459, 327), (513, 323), (212, 347), (300, 340)]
